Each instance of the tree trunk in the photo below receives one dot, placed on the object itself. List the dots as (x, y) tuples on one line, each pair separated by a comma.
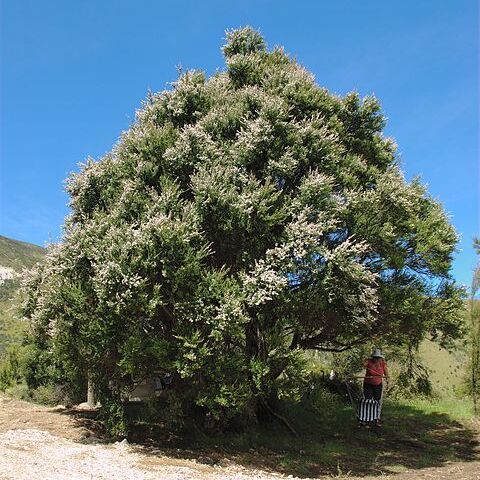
[(475, 359), (475, 369), (90, 394)]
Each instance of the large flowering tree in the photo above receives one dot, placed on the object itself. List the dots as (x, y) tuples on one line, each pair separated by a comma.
[(241, 220)]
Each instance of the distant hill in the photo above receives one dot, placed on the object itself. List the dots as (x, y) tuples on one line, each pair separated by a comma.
[(18, 255), (448, 369), (15, 256)]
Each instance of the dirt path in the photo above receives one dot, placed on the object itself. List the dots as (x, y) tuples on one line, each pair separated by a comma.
[(40, 443)]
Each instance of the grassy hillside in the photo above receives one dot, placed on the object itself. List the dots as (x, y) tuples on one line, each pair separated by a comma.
[(14, 257), (19, 255), (447, 368)]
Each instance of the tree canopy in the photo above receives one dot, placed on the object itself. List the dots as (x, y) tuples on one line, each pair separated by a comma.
[(241, 220)]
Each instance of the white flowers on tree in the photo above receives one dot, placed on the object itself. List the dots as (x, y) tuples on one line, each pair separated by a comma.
[(241, 220)]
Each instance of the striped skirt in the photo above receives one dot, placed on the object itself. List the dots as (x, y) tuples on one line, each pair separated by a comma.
[(368, 410)]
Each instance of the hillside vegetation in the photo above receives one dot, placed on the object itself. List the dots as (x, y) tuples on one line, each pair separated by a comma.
[(15, 256), (19, 255), (447, 369)]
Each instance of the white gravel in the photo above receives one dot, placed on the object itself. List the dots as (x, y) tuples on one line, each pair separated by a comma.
[(31, 454)]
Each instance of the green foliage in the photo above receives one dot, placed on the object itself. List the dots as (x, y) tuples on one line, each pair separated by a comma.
[(11, 368), (243, 42), (413, 382), (113, 413), (474, 324), (47, 394), (474, 344), (322, 401), (19, 390), (241, 220)]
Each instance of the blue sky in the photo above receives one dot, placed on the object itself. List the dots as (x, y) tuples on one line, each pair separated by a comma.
[(73, 73)]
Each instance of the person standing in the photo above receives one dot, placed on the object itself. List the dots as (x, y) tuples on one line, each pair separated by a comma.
[(376, 370)]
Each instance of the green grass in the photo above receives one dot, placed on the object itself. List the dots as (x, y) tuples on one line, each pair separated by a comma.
[(415, 434), (12, 326), (446, 368), (18, 255), (458, 409)]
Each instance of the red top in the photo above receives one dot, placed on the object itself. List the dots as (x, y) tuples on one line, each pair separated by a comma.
[(376, 369)]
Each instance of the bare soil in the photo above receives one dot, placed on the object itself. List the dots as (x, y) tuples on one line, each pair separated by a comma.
[(38, 442)]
